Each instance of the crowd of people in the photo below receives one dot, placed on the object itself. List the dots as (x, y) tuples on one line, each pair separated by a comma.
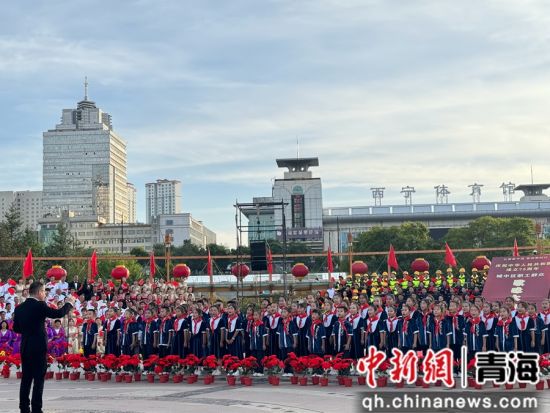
[(416, 311)]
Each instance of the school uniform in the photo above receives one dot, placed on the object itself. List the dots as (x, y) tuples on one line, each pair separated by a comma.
[(392, 335), (341, 330), (316, 335), (357, 350), (148, 338), (545, 317), (247, 325), (524, 326), (197, 332), (258, 333), (234, 331), (407, 327), (181, 326), (216, 329), (166, 326), (474, 332), (490, 322), (538, 324), (286, 331), (455, 332), (437, 328), (329, 318), (303, 323), (272, 324), (89, 331), (505, 333), (130, 330), (374, 326), (423, 321), (112, 328)]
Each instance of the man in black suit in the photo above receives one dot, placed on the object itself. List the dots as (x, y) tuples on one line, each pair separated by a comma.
[(29, 321)]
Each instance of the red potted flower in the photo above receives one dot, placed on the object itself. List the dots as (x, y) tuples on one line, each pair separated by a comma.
[(326, 366), (544, 366), (191, 363), (343, 366), (248, 365), (49, 362), (315, 368), (273, 367), (382, 374), (231, 365), (295, 363), (16, 361), (209, 364), (61, 366), (149, 367)]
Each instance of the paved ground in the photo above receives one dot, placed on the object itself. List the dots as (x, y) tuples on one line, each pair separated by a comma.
[(97, 397)]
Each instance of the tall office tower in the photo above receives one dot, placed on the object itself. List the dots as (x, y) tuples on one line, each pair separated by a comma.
[(132, 202), (84, 168), (162, 198)]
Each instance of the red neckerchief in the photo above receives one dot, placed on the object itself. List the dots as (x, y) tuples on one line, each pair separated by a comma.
[(342, 322), (455, 320), (425, 318), (522, 322), (213, 322), (466, 315), (314, 323), (364, 306), (274, 317), (352, 319), (325, 316), (197, 325), (379, 310), (370, 322), (286, 323), (148, 323), (301, 317), (406, 323), (438, 322), (474, 322), (183, 317), (111, 321), (89, 326), (127, 324), (390, 324), (249, 321), (545, 315), (230, 321), (255, 326), (164, 321), (506, 324)]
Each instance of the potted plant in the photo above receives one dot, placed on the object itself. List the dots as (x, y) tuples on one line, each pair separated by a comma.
[(297, 366), (61, 366), (315, 369), (209, 364), (74, 362), (190, 363), (149, 367), (231, 366), (273, 367), (382, 374), (16, 361), (49, 362), (130, 366), (326, 366), (248, 365), (5, 363), (343, 366), (544, 366), (89, 365)]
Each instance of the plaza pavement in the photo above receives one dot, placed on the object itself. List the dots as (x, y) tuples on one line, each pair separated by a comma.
[(83, 397)]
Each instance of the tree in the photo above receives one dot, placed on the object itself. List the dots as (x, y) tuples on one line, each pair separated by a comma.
[(63, 242), (11, 241)]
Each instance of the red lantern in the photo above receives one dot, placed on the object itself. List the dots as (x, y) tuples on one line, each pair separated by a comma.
[(57, 271), (120, 272), (240, 270), (359, 267), (300, 270), (481, 262), (181, 271), (420, 265)]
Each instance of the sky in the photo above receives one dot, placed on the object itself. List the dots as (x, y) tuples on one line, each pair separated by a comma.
[(384, 93)]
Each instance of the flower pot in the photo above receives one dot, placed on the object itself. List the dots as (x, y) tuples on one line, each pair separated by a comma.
[(340, 380), (19, 375), (128, 378), (509, 386), (150, 378), (548, 383), (49, 374), (348, 382), (6, 374), (248, 381), (275, 380), (478, 386), (400, 384), (177, 378), (66, 374), (91, 377), (419, 381), (471, 382), (324, 381), (425, 385), (438, 383), (382, 381), (104, 377), (163, 378), (119, 378), (315, 380), (303, 381), (243, 380), (540, 385), (74, 376), (231, 380), (294, 380), (361, 380), (522, 385), (208, 379)]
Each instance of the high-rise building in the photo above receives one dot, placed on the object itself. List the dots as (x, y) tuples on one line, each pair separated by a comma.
[(84, 168), (181, 227), (28, 203), (162, 197), (132, 200)]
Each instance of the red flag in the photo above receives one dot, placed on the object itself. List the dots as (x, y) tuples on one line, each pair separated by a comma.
[(392, 259), (93, 266), (28, 269), (152, 267), (269, 262), (516, 249), (330, 266), (209, 264), (450, 259)]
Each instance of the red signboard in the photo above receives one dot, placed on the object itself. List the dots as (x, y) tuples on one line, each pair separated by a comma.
[(525, 278)]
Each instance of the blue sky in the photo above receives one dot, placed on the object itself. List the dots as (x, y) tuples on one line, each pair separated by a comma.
[(385, 93)]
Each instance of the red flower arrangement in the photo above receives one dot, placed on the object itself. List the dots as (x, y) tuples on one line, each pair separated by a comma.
[(150, 363), (272, 365), (108, 363), (129, 364), (89, 364), (248, 364), (190, 363), (209, 364), (383, 369), (296, 363), (231, 364), (326, 365), (343, 366)]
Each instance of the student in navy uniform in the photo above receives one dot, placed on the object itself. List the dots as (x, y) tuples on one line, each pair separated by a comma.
[(378, 307), (181, 328), (455, 330), (407, 329), (149, 326), (272, 326), (342, 333), (316, 336), (89, 334), (197, 334), (112, 328), (475, 335), (247, 326), (234, 332), (423, 321), (538, 324), (364, 306), (329, 318), (357, 349), (302, 323), (392, 335), (216, 333), (258, 340), (287, 336), (437, 329), (129, 334), (506, 333), (489, 319), (375, 329), (545, 317), (166, 330), (390, 303), (526, 328)]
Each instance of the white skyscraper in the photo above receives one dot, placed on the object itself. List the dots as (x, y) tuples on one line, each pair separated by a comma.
[(84, 167), (162, 197), (132, 202), (28, 203)]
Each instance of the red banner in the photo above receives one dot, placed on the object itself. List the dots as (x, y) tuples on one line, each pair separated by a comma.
[(525, 278)]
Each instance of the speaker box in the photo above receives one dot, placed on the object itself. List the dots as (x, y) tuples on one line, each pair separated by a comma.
[(258, 256)]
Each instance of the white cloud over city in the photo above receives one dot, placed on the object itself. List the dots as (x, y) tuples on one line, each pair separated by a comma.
[(385, 93)]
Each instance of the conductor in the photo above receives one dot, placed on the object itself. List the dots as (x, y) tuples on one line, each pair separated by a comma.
[(29, 321)]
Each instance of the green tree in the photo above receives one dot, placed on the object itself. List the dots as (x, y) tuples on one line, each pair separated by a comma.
[(11, 242), (63, 244)]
